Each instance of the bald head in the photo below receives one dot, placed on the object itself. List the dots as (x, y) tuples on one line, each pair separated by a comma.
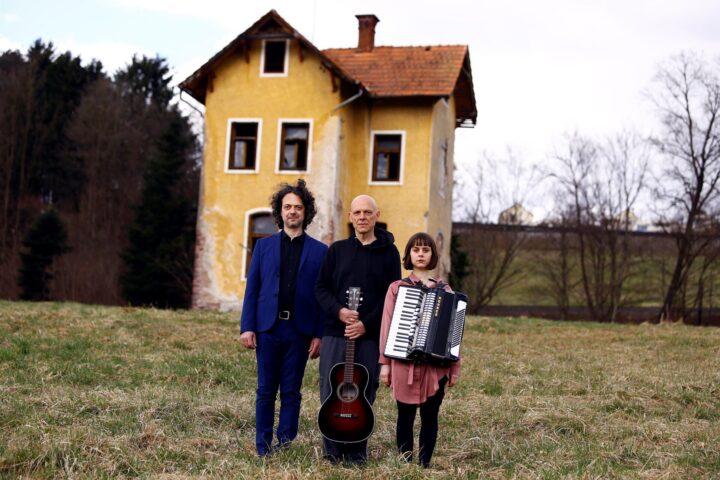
[(364, 214), (363, 201)]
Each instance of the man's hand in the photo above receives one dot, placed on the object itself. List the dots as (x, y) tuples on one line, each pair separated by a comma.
[(385, 375), (355, 330), (248, 340), (314, 348), (454, 379), (348, 316)]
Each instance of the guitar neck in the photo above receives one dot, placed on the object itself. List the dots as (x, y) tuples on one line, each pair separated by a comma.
[(354, 298), (349, 360)]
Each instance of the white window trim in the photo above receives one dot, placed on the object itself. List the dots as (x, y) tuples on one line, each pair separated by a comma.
[(287, 63), (228, 142), (249, 214), (278, 147), (402, 134)]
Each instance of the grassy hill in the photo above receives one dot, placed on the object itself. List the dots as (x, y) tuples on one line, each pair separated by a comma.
[(97, 392)]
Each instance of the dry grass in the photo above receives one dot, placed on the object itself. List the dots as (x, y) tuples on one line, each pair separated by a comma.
[(97, 392)]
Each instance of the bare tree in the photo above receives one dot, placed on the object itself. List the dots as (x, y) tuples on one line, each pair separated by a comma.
[(688, 100), (488, 186), (602, 184), (554, 261)]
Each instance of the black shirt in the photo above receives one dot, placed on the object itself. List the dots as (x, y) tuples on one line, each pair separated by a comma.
[(290, 251)]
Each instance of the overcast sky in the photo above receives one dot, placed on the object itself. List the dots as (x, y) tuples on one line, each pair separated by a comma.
[(541, 69)]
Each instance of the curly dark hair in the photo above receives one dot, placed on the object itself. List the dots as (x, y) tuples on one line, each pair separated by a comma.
[(301, 191)]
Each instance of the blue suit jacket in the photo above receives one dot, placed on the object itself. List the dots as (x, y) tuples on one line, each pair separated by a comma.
[(260, 307)]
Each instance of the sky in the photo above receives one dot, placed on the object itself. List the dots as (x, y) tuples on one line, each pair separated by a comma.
[(541, 69)]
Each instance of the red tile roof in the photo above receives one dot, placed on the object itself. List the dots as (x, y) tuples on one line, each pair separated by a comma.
[(403, 71)]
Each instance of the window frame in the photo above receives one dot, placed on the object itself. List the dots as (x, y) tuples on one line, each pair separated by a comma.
[(280, 146), (286, 63), (249, 214), (401, 167), (229, 141)]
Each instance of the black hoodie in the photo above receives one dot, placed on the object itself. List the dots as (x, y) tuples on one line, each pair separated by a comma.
[(349, 263)]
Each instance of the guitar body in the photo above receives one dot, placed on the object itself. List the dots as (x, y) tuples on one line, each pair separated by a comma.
[(346, 415)]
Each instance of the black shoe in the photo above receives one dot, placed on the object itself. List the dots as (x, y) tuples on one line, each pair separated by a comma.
[(280, 446), (355, 460), (334, 459)]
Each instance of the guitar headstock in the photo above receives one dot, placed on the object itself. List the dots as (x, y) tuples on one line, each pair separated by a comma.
[(354, 295)]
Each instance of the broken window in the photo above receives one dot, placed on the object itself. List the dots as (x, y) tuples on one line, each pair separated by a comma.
[(294, 146), (261, 225), (387, 155), (274, 57), (243, 146)]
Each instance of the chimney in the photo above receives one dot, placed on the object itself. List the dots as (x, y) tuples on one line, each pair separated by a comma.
[(366, 32)]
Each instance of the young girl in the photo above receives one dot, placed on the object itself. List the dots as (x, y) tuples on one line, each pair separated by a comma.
[(413, 384)]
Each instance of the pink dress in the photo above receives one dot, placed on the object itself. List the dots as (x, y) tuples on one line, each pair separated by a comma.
[(410, 382)]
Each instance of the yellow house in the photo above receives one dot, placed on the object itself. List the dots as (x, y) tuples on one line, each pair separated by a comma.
[(375, 120)]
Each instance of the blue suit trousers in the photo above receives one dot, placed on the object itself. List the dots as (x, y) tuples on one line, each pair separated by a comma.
[(282, 353)]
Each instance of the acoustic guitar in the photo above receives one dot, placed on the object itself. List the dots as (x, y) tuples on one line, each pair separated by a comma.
[(346, 415)]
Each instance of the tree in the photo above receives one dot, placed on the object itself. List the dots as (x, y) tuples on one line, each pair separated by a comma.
[(555, 263), (491, 252), (601, 184), (147, 80), (45, 241), (158, 260), (688, 100)]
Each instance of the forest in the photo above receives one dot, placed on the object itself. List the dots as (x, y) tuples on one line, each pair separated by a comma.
[(98, 179)]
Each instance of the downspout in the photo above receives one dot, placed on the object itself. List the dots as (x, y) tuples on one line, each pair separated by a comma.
[(348, 101)]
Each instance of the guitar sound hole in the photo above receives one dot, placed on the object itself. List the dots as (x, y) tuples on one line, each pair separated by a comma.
[(347, 392)]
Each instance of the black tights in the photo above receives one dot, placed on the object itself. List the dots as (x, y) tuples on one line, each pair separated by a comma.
[(428, 425)]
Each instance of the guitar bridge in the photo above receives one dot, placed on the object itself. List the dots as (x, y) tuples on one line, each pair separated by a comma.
[(345, 415)]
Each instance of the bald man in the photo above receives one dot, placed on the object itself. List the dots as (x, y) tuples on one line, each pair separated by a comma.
[(367, 259)]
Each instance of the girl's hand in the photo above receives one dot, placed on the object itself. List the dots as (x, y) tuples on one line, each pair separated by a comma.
[(385, 375), (453, 380)]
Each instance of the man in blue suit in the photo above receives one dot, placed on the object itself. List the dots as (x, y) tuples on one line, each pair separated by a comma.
[(281, 318)]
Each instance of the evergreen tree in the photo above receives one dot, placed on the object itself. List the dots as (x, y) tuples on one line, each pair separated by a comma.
[(158, 260), (460, 263), (44, 242)]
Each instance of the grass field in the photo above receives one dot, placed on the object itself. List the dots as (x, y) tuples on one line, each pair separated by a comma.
[(99, 392)]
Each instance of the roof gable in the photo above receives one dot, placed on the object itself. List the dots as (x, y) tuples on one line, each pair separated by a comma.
[(270, 26)]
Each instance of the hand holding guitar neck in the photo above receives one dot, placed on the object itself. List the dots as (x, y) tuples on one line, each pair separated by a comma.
[(348, 316)]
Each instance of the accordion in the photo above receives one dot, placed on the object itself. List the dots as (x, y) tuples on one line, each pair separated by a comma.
[(427, 325)]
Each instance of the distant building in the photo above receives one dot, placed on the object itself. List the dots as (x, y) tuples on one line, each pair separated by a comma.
[(515, 215), (375, 120)]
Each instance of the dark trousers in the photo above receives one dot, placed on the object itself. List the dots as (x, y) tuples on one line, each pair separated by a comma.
[(332, 351), (282, 354), (429, 412)]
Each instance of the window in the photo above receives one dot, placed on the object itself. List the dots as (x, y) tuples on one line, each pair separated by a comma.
[(387, 155), (243, 151), (274, 58), (243, 146), (294, 142), (260, 225)]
